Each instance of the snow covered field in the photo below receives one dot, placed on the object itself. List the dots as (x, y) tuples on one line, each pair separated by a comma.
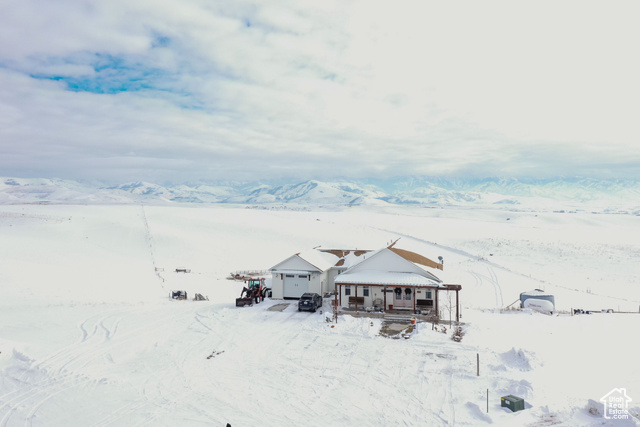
[(89, 337)]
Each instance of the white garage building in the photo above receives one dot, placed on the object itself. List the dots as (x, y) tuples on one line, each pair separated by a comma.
[(311, 271)]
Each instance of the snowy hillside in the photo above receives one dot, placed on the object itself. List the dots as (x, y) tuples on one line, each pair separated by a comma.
[(148, 192), (89, 335), (568, 195), (18, 190), (311, 192)]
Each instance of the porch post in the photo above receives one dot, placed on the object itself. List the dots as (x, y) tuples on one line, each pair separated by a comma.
[(340, 294), (384, 307), (414, 300), (437, 312), (457, 308), (356, 298)]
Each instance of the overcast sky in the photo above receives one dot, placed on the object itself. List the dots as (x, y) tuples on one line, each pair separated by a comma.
[(176, 91)]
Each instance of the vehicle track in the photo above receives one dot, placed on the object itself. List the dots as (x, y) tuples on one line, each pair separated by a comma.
[(81, 365)]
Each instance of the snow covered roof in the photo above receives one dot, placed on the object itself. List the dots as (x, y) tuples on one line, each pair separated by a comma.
[(536, 293), (389, 278), (386, 261), (346, 257), (321, 259)]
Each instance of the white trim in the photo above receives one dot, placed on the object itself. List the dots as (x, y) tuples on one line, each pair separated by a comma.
[(304, 272), (382, 278)]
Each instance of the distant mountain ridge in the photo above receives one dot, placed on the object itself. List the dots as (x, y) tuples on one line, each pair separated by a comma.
[(411, 191)]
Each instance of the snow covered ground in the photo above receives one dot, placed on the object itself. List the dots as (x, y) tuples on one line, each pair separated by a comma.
[(89, 337)]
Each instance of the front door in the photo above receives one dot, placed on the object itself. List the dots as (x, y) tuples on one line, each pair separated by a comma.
[(403, 298)]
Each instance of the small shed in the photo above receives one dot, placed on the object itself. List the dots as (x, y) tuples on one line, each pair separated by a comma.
[(537, 294)]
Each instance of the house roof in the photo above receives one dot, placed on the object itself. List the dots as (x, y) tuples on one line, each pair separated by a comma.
[(295, 262), (385, 266), (417, 258), (318, 259), (346, 257), (389, 278), (321, 259)]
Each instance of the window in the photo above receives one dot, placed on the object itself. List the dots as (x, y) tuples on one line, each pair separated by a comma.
[(407, 294), (365, 291), (347, 290), (302, 276), (428, 294), (291, 275)]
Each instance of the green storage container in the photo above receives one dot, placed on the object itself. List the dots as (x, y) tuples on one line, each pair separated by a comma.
[(512, 402)]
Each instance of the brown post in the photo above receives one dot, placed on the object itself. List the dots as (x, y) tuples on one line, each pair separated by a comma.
[(384, 308), (356, 298), (340, 295), (457, 308), (414, 300), (437, 312), (335, 302)]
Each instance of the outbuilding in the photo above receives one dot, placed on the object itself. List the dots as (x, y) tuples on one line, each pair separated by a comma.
[(537, 295)]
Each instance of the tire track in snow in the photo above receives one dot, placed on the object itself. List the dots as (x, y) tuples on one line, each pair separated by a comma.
[(492, 280), (149, 239), (67, 368), (153, 396), (188, 363), (55, 382)]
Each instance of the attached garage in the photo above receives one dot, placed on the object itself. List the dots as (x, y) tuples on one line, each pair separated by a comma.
[(310, 271), (295, 285)]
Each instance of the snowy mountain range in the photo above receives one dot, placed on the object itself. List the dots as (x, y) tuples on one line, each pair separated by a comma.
[(612, 195)]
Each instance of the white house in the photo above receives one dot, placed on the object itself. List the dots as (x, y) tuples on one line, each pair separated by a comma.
[(311, 271), (392, 279)]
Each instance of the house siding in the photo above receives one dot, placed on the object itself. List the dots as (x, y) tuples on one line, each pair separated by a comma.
[(378, 292), (277, 286)]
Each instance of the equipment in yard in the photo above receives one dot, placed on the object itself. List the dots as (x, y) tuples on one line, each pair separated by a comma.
[(540, 305), (200, 297), (538, 300), (254, 291), (180, 295), (512, 402)]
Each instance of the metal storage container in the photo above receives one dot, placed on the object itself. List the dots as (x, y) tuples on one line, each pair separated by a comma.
[(512, 402)]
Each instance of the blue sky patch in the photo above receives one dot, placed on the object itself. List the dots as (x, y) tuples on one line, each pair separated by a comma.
[(113, 74)]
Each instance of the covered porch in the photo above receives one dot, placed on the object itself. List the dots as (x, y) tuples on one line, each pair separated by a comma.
[(394, 298)]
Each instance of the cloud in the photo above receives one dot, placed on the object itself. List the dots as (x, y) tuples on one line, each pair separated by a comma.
[(171, 91)]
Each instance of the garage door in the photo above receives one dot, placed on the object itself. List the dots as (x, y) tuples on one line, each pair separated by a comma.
[(295, 285)]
